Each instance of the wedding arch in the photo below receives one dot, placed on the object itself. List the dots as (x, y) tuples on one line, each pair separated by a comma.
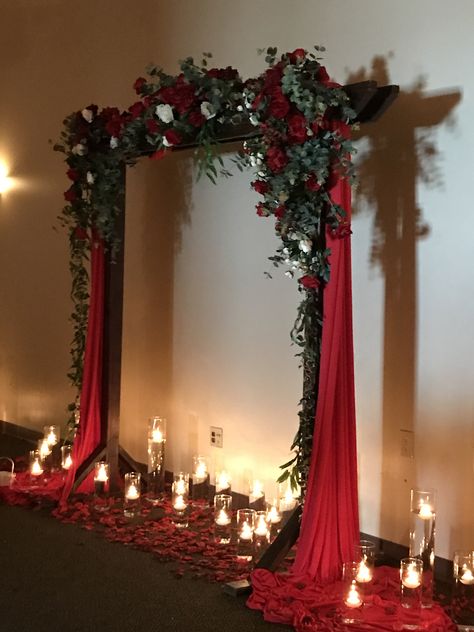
[(295, 125)]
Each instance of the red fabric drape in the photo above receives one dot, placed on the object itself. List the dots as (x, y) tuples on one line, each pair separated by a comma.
[(88, 436), (330, 524)]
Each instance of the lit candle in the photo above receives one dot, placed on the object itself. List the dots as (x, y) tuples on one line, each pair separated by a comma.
[(200, 473), (132, 493), (36, 468), (102, 476), (67, 462), (364, 573), (180, 487), (44, 448), (274, 515), (246, 532), (353, 599), (179, 503), (156, 436), (223, 518), (262, 528), (426, 511), (256, 491), (412, 579), (288, 501), (467, 578), (223, 481), (52, 439)]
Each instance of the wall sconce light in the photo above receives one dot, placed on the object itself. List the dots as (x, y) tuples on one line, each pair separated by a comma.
[(5, 180)]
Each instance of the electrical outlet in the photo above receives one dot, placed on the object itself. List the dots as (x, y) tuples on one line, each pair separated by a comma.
[(217, 437), (407, 444)]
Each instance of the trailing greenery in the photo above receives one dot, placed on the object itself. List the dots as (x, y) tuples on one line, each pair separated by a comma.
[(300, 150)]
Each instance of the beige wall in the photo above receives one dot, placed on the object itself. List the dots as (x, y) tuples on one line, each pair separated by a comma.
[(206, 335)]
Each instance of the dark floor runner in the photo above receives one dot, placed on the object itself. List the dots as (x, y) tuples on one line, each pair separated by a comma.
[(59, 577)]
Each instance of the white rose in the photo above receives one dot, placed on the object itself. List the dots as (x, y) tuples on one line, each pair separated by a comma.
[(114, 142), (305, 245), (164, 112), (90, 178), (285, 251), (88, 115), (207, 110), (254, 161), (166, 142), (240, 108), (79, 149)]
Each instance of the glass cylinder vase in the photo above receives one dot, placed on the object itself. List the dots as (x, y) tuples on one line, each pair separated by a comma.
[(463, 590), (36, 466), (245, 534), (180, 498), (411, 580), (422, 538), (131, 494), (222, 518), (156, 458), (200, 478)]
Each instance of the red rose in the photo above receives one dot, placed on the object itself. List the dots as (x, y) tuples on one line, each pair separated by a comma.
[(138, 85), (152, 126), (73, 174), (181, 96), (296, 128), (70, 195), (172, 137), (260, 186), (312, 184), (158, 155), (136, 109), (226, 74), (273, 76), (279, 104), (309, 281), (280, 211), (113, 121), (322, 75), (298, 53), (262, 211), (256, 102), (196, 118), (315, 126), (276, 159)]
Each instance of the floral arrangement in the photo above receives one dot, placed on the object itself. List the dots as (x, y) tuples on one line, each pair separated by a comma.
[(300, 149)]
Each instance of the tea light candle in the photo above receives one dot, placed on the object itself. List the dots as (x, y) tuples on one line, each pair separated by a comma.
[(353, 599), (274, 515), (412, 578), (223, 518), (426, 511), (262, 528), (467, 577), (256, 491), (44, 448), (101, 475), (132, 493), (67, 462), (288, 502), (36, 469), (51, 438), (200, 473), (364, 573), (246, 532), (179, 503), (223, 481)]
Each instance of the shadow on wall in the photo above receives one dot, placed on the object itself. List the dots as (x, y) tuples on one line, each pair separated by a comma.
[(400, 152)]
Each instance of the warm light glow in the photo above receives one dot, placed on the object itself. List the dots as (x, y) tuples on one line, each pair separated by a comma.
[(288, 502), (262, 528), (157, 436), (44, 449), (246, 532), (412, 578), (102, 476), (52, 438), (5, 180), (256, 490), (201, 472), (179, 503), (426, 511), (223, 518), (36, 468), (364, 573), (274, 515), (223, 481), (132, 493), (467, 577), (67, 462), (353, 599), (180, 487)]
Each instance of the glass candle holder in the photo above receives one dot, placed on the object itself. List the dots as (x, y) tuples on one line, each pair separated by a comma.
[(256, 495), (223, 482), (66, 457), (52, 435), (262, 531), (422, 537), (463, 590), (156, 458), (222, 518), (411, 580), (179, 498), (365, 558), (44, 449), (131, 494), (36, 465), (273, 514), (200, 478), (245, 532), (286, 498), (101, 485), (352, 594)]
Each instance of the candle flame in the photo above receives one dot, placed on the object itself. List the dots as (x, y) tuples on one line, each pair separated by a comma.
[(156, 435), (102, 475), (36, 468), (353, 599), (67, 462)]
